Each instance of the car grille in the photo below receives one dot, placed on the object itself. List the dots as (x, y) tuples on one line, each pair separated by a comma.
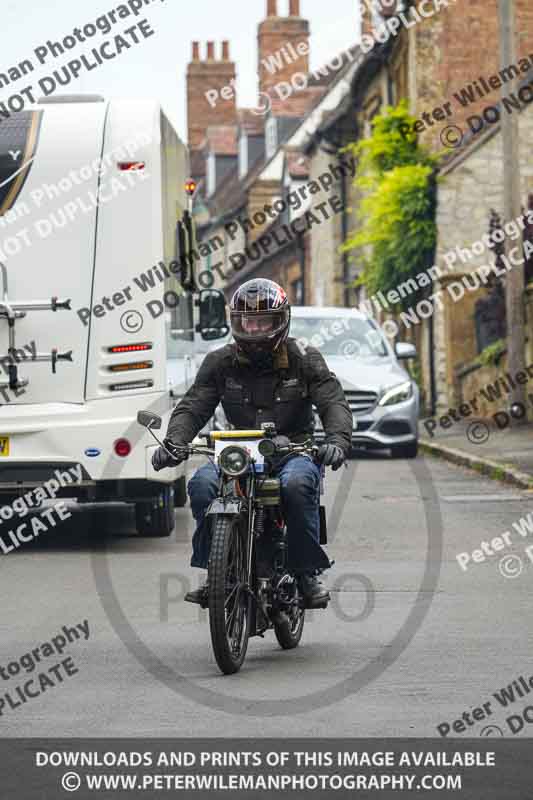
[(394, 427), (360, 402), (364, 426)]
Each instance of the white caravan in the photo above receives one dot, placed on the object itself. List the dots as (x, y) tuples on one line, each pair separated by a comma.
[(96, 248)]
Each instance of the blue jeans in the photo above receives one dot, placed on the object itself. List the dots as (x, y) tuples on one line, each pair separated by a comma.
[(300, 495)]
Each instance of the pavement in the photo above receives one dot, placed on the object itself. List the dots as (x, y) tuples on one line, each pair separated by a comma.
[(505, 455), (409, 642)]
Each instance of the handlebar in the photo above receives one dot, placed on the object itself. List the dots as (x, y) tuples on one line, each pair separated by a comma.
[(307, 448), (188, 450)]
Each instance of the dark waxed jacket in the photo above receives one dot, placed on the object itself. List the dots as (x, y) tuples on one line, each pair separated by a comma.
[(283, 395)]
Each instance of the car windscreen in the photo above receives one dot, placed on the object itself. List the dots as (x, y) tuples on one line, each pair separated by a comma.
[(339, 336)]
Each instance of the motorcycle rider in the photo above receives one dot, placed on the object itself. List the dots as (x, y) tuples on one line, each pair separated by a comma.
[(265, 377)]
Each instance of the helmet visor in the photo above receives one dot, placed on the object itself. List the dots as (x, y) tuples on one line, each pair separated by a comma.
[(258, 327)]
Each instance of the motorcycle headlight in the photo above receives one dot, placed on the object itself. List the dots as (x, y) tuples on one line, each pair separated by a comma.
[(267, 448), (234, 461), (397, 394)]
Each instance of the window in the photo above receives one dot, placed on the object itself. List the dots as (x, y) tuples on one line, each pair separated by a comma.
[(16, 133), (271, 133), (211, 173), (243, 155), (297, 288)]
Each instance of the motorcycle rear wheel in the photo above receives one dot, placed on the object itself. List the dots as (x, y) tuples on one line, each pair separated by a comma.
[(229, 598)]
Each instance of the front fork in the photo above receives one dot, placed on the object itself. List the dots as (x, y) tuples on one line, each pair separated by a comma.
[(250, 530)]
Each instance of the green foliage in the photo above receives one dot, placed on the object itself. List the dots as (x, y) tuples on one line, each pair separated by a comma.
[(491, 355), (498, 473), (397, 235), (415, 371)]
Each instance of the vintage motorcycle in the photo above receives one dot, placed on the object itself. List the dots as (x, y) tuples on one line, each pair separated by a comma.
[(252, 588)]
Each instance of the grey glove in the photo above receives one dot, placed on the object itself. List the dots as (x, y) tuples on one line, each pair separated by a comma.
[(161, 459), (331, 456)]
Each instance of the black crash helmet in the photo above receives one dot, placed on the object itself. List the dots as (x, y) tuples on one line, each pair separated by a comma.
[(260, 316)]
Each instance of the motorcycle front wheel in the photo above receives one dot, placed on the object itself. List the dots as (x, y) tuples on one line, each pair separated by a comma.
[(229, 596), (290, 627)]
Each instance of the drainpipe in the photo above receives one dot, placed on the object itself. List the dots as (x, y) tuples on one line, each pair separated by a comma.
[(301, 244), (344, 230), (432, 376), (390, 84), (431, 332)]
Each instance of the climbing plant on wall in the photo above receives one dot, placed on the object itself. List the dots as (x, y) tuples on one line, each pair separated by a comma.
[(396, 234)]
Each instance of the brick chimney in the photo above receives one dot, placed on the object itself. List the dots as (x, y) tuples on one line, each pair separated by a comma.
[(373, 10), (210, 75), (283, 45)]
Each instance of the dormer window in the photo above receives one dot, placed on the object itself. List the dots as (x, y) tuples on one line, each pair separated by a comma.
[(271, 134), (211, 173), (243, 155)]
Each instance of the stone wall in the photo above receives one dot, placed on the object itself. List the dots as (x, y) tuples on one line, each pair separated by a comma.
[(471, 185), (490, 387), (325, 263), (471, 381), (474, 382)]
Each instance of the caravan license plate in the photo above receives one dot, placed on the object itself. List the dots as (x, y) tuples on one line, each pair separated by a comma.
[(4, 446)]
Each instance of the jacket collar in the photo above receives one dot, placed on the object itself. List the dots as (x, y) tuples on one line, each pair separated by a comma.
[(281, 358)]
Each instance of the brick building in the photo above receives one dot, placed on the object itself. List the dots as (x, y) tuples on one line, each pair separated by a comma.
[(447, 66), (442, 65), (457, 69), (246, 161)]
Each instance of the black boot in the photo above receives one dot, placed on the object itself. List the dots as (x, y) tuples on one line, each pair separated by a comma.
[(314, 593), (199, 596)]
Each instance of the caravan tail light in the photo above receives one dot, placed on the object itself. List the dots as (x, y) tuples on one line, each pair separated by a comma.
[(131, 365), (130, 386), (122, 447), (130, 348)]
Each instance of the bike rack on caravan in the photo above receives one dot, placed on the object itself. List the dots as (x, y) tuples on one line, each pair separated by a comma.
[(13, 310)]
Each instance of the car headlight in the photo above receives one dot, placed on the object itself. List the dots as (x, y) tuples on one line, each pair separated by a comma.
[(397, 394), (234, 461)]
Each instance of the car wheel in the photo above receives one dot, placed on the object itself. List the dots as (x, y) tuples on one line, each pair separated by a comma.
[(405, 450)]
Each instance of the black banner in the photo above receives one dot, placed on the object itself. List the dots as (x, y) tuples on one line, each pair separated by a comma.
[(47, 769)]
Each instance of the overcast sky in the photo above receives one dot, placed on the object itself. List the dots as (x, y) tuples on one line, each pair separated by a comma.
[(157, 66)]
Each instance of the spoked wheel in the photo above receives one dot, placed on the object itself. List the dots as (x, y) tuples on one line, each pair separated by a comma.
[(289, 631), (229, 598)]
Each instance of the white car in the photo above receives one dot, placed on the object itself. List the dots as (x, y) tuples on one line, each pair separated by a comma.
[(383, 398)]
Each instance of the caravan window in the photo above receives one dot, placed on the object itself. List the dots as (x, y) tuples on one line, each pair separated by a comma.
[(18, 139)]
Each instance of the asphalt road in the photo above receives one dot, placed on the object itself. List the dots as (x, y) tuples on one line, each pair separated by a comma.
[(409, 641)]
